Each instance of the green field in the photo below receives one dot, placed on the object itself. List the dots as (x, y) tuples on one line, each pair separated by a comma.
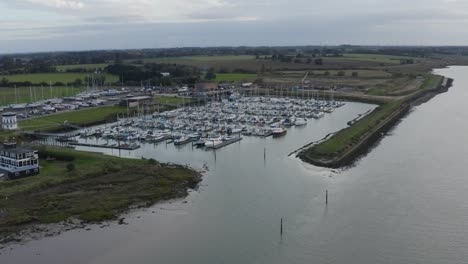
[(235, 77), (173, 100), (53, 77), (389, 59), (348, 73), (84, 117), (27, 95), (197, 59), (82, 66), (90, 186)]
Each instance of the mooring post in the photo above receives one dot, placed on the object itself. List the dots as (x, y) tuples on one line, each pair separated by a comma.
[(264, 153), (326, 197), (281, 227)]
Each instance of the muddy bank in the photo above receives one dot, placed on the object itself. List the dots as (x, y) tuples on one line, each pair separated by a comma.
[(95, 189), (364, 145)]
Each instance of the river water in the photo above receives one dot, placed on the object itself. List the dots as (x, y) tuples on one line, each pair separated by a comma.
[(405, 202)]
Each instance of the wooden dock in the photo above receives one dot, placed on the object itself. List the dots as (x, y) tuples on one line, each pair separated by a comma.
[(113, 146), (225, 143)]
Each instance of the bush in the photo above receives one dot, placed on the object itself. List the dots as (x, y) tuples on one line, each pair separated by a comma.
[(70, 167)]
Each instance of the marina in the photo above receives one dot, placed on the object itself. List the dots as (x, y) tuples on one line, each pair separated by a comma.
[(215, 124), (257, 205)]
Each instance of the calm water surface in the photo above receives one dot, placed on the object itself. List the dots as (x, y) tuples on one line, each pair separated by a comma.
[(405, 202)]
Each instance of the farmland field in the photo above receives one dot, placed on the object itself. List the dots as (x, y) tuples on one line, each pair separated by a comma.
[(389, 59), (82, 66), (53, 77), (235, 77)]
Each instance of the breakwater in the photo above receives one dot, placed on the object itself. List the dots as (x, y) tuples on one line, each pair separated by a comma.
[(368, 140)]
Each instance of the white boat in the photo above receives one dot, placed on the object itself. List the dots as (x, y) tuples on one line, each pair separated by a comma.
[(318, 114), (213, 142), (300, 122)]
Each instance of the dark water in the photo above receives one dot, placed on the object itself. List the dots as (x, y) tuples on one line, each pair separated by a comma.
[(405, 202)]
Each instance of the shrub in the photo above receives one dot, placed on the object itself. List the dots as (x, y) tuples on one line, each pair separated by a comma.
[(70, 167)]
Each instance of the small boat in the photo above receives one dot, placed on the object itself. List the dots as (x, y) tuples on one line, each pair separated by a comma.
[(182, 140), (300, 122), (279, 131)]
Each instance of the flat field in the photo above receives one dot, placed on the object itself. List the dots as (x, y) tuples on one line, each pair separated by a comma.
[(8, 95), (82, 66), (84, 117)]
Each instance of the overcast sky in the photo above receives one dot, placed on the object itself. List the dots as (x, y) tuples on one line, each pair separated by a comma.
[(47, 25)]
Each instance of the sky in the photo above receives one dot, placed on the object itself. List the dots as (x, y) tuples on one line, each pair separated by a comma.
[(56, 25)]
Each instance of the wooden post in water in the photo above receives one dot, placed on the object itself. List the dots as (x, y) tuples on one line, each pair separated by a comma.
[(264, 153), (281, 227), (326, 197)]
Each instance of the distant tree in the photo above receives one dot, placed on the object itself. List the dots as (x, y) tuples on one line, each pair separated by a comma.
[(257, 57), (78, 82), (309, 60), (223, 70), (262, 69), (4, 81), (355, 74), (210, 75), (326, 73), (318, 61), (340, 73)]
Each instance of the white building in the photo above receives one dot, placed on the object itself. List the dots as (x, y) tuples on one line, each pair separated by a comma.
[(18, 162), (9, 121)]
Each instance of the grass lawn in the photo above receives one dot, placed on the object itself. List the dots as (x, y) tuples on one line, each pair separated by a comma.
[(96, 188), (23, 94), (84, 117), (81, 66), (173, 100), (53, 77)]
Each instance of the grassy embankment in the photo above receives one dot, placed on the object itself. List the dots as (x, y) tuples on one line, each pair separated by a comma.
[(95, 187), (334, 149), (84, 117)]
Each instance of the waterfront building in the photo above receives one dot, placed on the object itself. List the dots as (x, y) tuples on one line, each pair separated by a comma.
[(17, 162)]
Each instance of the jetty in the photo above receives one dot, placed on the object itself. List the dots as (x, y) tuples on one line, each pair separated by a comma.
[(224, 143), (112, 146)]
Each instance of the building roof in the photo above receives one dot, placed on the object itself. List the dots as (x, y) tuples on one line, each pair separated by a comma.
[(9, 114), (16, 150)]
